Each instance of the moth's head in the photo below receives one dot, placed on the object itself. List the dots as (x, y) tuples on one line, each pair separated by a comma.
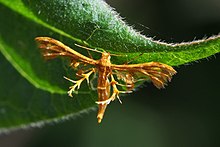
[(106, 56)]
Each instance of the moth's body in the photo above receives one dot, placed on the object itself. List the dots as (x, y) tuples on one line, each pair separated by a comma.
[(107, 90), (103, 87)]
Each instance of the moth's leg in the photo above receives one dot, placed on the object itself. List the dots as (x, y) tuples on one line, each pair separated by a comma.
[(127, 78), (74, 63), (93, 87), (115, 93), (78, 82)]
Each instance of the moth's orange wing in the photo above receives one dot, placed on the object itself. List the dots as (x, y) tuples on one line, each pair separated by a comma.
[(52, 48), (158, 73)]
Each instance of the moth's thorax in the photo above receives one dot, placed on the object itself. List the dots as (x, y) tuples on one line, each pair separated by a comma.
[(105, 60)]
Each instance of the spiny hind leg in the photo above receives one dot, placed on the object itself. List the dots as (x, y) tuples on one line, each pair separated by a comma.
[(115, 93), (78, 82)]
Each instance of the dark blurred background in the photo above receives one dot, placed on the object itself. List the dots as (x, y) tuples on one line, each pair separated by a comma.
[(185, 114)]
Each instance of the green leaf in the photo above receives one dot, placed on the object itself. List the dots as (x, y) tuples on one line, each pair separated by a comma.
[(21, 103), (88, 22)]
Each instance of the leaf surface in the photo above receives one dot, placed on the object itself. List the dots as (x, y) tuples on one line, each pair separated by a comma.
[(92, 23)]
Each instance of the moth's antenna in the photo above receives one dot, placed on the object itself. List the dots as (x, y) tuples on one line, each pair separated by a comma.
[(134, 58), (87, 48), (118, 55), (94, 50)]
